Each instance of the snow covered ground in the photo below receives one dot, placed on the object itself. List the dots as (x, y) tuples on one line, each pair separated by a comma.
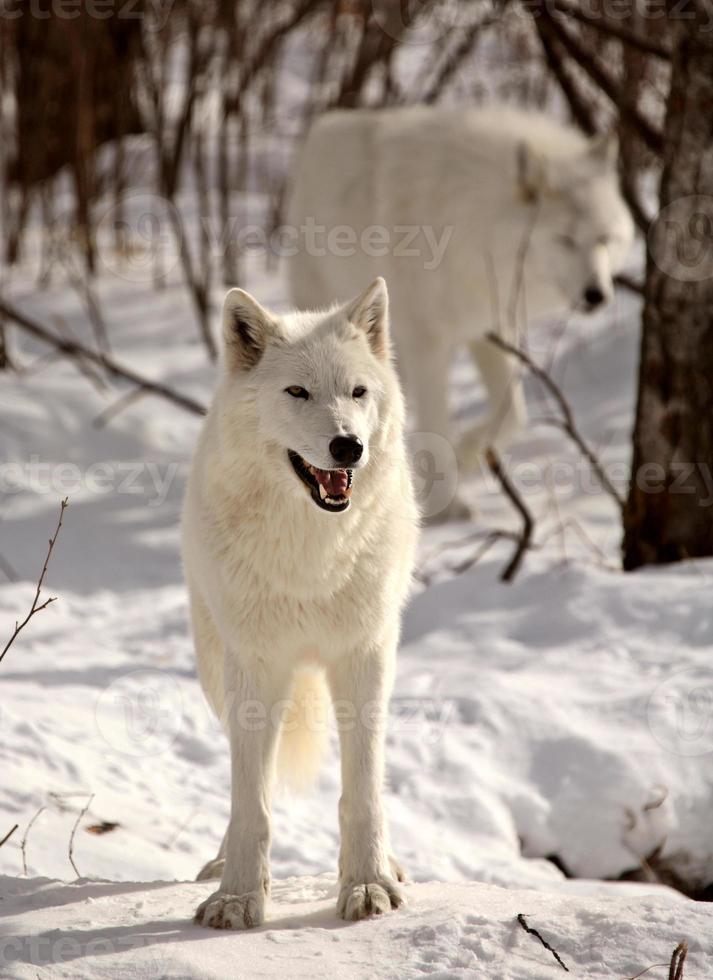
[(564, 721), (130, 930)]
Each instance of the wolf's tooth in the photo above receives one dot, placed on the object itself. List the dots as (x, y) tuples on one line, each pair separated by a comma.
[(322, 492)]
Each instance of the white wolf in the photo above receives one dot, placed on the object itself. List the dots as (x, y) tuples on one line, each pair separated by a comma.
[(299, 530), (479, 218)]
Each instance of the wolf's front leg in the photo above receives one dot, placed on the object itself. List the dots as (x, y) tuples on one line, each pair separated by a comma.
[(367, 875), (239, 903), (426, 374), (507, 409)]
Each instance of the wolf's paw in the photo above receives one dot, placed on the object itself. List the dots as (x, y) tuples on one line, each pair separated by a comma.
[(396, 870), (213, 869), (224, 911), (372, 898)]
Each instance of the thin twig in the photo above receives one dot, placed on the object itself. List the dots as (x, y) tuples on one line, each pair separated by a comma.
[(566, 423), (523, 541), (453, 544), (678, 959), (485, 539), (463, 566), (93, 376), (572, 524), (653, 966), (23, 845), (533, 932), (35, 608), (111, 411), (59, 799), (626, 282), (74, 831), (9, 834), (75, 350)]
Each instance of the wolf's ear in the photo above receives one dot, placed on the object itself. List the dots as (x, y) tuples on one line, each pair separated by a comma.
[(531, 173), (604, 149), (246, 329), (370, 313)]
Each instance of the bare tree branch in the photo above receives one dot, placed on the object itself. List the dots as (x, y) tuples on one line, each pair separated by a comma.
[(36, 605), (678, 959), (510, 491), (9, 834), (566, 423), (73, 349), (455, 58), (583, 112), (70, 851), (653, 966), (628, 189), (263, 53), (601, 77), (111, 411), (23, 845), (533, 932), (485, 539), (626, 282), (647, 45), (581, 109)]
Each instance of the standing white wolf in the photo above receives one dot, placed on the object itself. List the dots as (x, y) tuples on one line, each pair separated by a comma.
[(479, 218), (299, 531)]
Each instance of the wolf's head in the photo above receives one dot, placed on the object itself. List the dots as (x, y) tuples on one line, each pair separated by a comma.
[(582, 230), (318, 384)]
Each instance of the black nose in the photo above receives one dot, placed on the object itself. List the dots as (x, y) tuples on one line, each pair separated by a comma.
[(593, 296), (346, 449)]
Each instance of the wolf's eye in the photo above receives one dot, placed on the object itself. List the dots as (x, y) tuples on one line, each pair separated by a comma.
[(359, 391), (297, 392)]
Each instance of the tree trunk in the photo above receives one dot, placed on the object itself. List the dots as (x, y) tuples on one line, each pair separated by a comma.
[(669, 511)]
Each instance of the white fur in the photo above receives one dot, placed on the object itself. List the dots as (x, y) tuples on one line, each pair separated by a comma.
[(284, 595), (482, 188)]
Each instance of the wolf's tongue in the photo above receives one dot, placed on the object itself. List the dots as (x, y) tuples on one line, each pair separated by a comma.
[(335, 482)]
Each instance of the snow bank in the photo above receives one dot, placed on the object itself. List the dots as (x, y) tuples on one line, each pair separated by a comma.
[(141, 930)]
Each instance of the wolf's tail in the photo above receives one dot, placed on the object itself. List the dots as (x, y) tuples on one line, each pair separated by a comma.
[(304, 730)]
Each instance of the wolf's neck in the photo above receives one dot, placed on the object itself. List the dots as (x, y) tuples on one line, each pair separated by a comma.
[(268, 530)]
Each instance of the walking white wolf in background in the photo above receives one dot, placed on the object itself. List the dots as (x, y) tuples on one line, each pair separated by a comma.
[(479, 218), (299, 531)]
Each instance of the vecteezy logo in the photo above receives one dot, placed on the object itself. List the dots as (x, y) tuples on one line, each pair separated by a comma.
[(680, 712), (680, 239), (140, 713), (435, 472), (419, 21), (139, 237)]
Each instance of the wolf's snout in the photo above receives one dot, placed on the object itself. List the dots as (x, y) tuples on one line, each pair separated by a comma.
[(346, 450), (593, 297)]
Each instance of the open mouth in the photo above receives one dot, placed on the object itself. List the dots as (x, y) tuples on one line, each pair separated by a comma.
[(330, 489)]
